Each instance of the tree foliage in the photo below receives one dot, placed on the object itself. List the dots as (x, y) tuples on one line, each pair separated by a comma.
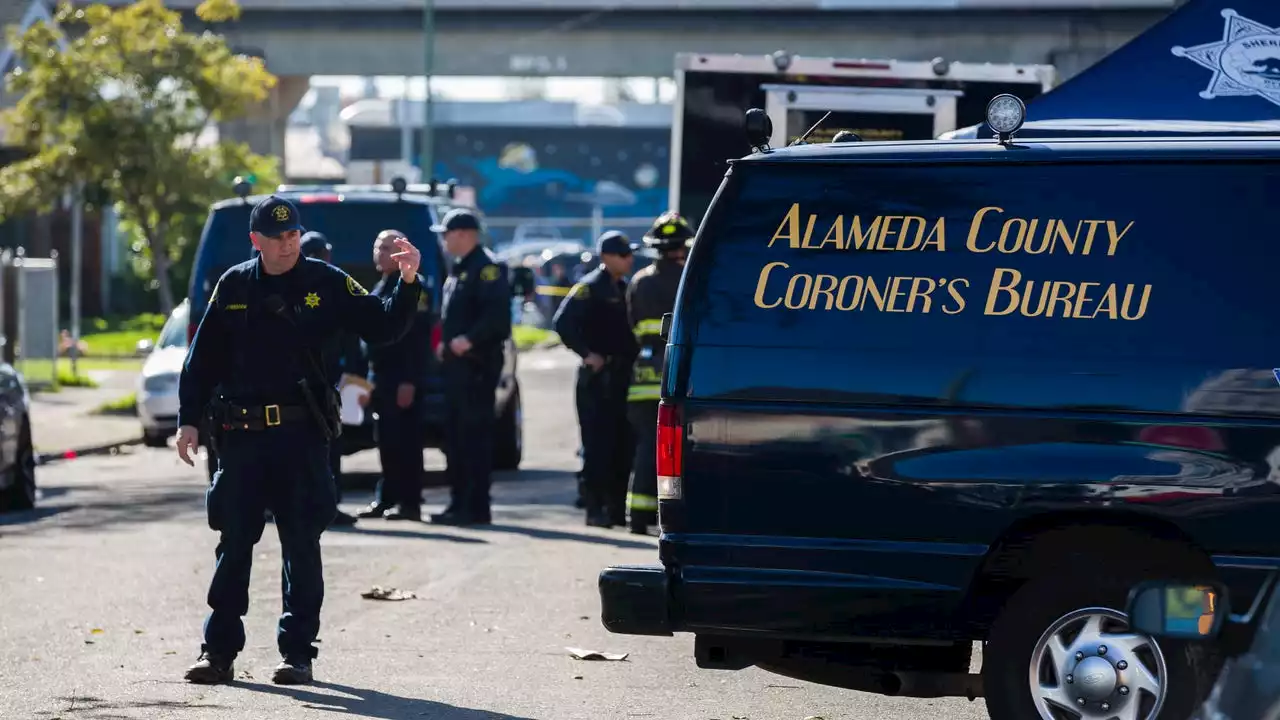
[(116, 100)]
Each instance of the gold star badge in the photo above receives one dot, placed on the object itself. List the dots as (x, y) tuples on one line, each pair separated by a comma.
[(312, 300), (281, 212)]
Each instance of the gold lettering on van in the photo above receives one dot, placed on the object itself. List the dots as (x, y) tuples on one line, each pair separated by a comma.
[(991, 230), (854, 232)]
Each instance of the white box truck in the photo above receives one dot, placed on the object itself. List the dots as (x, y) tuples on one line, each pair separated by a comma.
[(877, 99)]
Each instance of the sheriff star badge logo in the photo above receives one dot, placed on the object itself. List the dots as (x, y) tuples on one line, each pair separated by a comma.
[(1246, 61)]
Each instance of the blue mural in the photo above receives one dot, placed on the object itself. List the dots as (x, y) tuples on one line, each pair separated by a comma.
[(544, 172)]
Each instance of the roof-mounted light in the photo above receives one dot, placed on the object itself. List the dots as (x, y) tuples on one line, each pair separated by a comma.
[(1005, 115)]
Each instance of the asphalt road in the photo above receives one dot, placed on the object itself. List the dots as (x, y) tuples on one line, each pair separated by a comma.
[(102, 598)]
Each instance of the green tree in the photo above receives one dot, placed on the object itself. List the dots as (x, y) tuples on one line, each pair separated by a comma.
[(116, 99)]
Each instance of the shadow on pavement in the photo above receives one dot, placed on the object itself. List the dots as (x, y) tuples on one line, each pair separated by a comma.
[(89, 707), (544, 534), (374, 704), (133, 506), (21, 517)]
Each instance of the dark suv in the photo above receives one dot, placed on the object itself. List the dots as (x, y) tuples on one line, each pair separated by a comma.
[(351, 217)]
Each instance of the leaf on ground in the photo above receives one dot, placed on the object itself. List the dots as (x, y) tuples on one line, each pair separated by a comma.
[(580, 654), (377, 592)]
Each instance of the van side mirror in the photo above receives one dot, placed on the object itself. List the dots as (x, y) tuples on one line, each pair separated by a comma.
[(665, 332), (1178, 611)]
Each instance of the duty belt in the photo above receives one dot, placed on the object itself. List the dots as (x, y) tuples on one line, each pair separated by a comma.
[(233, 416)]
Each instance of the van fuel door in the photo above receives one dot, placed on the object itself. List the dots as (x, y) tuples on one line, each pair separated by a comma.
[(665, 331)]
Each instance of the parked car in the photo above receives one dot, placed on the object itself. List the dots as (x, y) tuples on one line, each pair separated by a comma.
[(17, 453), (158, 382), (1203, 614)]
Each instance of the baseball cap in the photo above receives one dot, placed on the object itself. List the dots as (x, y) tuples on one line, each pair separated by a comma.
[(314, 243), (457, 219), (615, 242), (274, 216)]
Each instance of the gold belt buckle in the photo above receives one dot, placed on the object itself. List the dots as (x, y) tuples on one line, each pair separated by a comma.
[(273, 415)]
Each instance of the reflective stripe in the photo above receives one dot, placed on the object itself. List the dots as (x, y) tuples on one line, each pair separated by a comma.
[(641, 502), (644, 392), (552, 290), (648, 327)]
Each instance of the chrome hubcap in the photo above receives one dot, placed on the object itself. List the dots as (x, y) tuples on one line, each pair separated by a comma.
[(1089, 666)]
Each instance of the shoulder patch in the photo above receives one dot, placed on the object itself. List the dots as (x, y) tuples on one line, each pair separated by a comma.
[(489, 273), (355, 288), (580, 291)]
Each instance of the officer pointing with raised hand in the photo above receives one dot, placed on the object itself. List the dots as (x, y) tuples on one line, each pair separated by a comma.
[(260, 364), (592, 322), (475, 324), (399, 378), (652, 294)]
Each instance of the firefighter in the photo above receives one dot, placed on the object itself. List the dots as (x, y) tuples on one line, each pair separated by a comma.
[(652, 294)]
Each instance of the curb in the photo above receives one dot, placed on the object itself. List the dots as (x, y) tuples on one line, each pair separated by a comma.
[(72, 454)]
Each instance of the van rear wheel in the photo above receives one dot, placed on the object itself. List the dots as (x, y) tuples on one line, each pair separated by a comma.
[(508, 440), (1062, 648)]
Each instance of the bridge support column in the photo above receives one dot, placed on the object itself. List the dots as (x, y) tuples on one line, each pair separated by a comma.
[(263, 128)]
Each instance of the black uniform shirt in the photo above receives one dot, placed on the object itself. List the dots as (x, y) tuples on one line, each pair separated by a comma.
[(405, 360), (477, 304), (245, 350), (593, 318)]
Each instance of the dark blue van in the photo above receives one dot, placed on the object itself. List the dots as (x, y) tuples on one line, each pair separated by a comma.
[(922, 395), (351, 217)]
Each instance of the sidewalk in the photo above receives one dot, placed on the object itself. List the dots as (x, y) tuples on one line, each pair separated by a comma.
[(65, 420)]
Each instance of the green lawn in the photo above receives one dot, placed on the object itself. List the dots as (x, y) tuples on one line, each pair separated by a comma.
[(41, 372)]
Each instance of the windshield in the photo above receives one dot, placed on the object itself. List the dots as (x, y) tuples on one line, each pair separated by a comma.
[(174, 333)]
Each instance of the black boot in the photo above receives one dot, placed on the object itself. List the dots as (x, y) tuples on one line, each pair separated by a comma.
[(211, 669), (293, 671)]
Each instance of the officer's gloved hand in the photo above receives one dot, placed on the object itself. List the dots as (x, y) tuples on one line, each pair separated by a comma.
[(594, 360)]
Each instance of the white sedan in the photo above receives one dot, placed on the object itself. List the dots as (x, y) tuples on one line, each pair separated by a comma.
[(158, 382)]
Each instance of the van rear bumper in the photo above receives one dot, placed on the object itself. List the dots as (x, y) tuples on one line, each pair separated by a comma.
[(636, 600)]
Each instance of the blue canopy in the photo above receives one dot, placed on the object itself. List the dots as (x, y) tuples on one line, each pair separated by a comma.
[(1209, 61)]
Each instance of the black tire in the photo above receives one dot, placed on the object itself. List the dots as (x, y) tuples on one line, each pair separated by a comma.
[(1069, 585), (21, 495), (508, 439)]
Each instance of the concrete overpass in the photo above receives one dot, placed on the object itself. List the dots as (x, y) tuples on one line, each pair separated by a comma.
[(639, 38)]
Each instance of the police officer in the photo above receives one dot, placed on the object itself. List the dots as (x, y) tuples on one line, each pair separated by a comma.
[(399, 381), (652, 294), (350, 360), (475, 324), (592, 322), (260, 364)]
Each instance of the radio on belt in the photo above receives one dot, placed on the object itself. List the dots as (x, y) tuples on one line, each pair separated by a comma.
[(1005, 115)]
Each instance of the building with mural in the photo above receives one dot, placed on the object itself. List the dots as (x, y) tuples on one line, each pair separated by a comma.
[(544, 170)]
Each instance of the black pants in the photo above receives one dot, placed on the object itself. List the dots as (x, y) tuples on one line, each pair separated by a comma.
[(335, 467), (470, 393), (642, 500), (284, 470), (400, 434), (607, 441)]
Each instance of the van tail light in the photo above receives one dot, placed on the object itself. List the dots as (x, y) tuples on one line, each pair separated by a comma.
[(437, 335), (191, 332), (1191, 437), (670, 451)]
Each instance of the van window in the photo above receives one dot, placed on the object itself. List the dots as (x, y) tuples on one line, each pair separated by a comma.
[(350, 225), (1149, 262)]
